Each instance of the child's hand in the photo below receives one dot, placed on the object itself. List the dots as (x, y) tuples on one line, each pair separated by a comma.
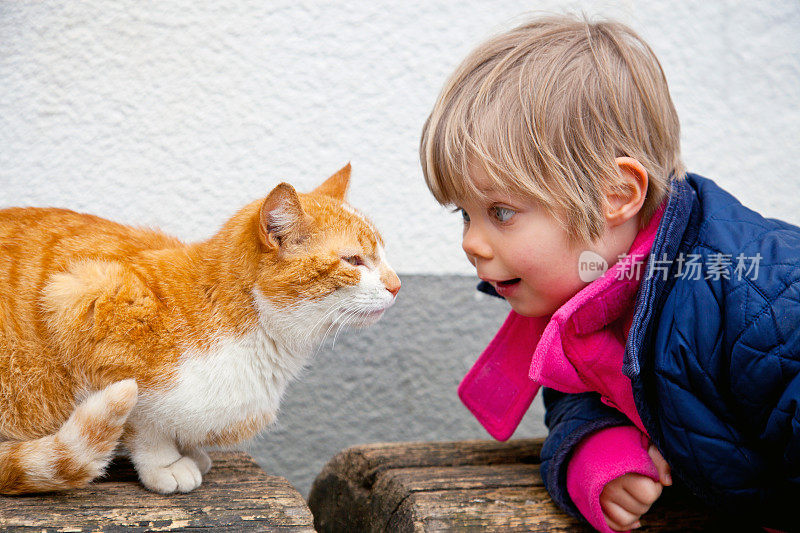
[(625, 499)]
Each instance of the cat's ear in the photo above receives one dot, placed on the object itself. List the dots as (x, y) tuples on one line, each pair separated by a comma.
[(336, 185), (282, 221)]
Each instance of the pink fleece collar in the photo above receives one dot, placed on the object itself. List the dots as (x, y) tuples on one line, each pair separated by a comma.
[(594, 307), (527, 352)]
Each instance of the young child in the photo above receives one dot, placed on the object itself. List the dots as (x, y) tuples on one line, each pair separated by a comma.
[(559, 145)]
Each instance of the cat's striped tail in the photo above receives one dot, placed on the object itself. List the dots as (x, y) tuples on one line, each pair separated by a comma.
[(77, 453)]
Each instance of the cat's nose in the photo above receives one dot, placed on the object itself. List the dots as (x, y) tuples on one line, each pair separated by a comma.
[(390, 281)]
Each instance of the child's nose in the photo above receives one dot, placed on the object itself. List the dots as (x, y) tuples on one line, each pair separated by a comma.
[(475, 244)]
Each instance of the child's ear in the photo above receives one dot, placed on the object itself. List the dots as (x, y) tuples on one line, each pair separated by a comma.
[(282, 221), (622, 206), (336, 185)]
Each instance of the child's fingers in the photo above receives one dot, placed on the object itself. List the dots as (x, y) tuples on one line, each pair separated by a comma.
[(644, 490), (629, 502), (618, 518), (633, 492), (664, 471)]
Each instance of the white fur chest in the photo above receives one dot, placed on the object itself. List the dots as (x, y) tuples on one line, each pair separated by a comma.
[(236, 380)]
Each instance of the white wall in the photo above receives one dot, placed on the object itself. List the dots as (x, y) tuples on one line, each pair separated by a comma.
[(175, 113)]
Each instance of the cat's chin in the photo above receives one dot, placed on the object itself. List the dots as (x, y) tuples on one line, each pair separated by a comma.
[(365, 319)]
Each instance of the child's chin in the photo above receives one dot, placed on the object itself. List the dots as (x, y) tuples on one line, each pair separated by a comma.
[(532, 310)]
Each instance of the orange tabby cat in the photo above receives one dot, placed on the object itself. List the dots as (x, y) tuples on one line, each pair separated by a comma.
[(112, 335)]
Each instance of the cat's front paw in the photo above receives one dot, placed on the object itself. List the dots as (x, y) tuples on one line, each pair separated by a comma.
[(181, 476)]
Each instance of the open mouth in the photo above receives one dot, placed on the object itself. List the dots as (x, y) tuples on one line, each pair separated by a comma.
[(508, 282)]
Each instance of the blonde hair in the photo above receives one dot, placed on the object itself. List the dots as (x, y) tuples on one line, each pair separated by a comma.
[(545, 109)]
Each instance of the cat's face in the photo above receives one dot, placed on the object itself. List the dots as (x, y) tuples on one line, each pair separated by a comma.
[(324, 264)]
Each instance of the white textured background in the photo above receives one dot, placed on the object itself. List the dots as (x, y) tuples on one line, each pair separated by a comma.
[(174, 113)]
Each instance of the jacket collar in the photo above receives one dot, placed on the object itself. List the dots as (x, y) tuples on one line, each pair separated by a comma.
[(676, 233), (676, 227)]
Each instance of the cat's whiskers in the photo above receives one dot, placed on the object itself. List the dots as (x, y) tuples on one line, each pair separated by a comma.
[(327, 332), (342, 324), (320, 323), (341, 319), (331, 312), (300, 312), (346, 321)]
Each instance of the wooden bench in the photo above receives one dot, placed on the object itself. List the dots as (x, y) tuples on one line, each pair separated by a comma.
[(476, 485), (235, 495)]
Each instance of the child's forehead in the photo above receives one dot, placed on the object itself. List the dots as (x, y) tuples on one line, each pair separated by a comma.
[(479, 183), (489, 197), (483, 187)]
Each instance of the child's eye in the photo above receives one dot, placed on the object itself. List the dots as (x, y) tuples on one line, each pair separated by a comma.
[(463, 212), (503, 214)]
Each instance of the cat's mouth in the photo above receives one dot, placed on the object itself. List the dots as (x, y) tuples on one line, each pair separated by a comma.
[(377, 313), (364, 318)]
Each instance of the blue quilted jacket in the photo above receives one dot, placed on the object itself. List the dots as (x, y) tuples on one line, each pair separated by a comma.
[(714, 357)]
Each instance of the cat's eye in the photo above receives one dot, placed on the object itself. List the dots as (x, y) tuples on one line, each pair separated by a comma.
[(354, 260), (503, 214)]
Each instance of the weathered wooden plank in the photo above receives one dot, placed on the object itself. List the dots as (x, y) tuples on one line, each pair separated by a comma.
[(460, 486), (346, 481), (460, 477), (496, 509), (366, 461), (236, 494), (525, 509), (393, 489)]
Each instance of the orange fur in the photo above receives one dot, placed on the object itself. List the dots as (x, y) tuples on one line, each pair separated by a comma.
[(239, 431), (86, 302)]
